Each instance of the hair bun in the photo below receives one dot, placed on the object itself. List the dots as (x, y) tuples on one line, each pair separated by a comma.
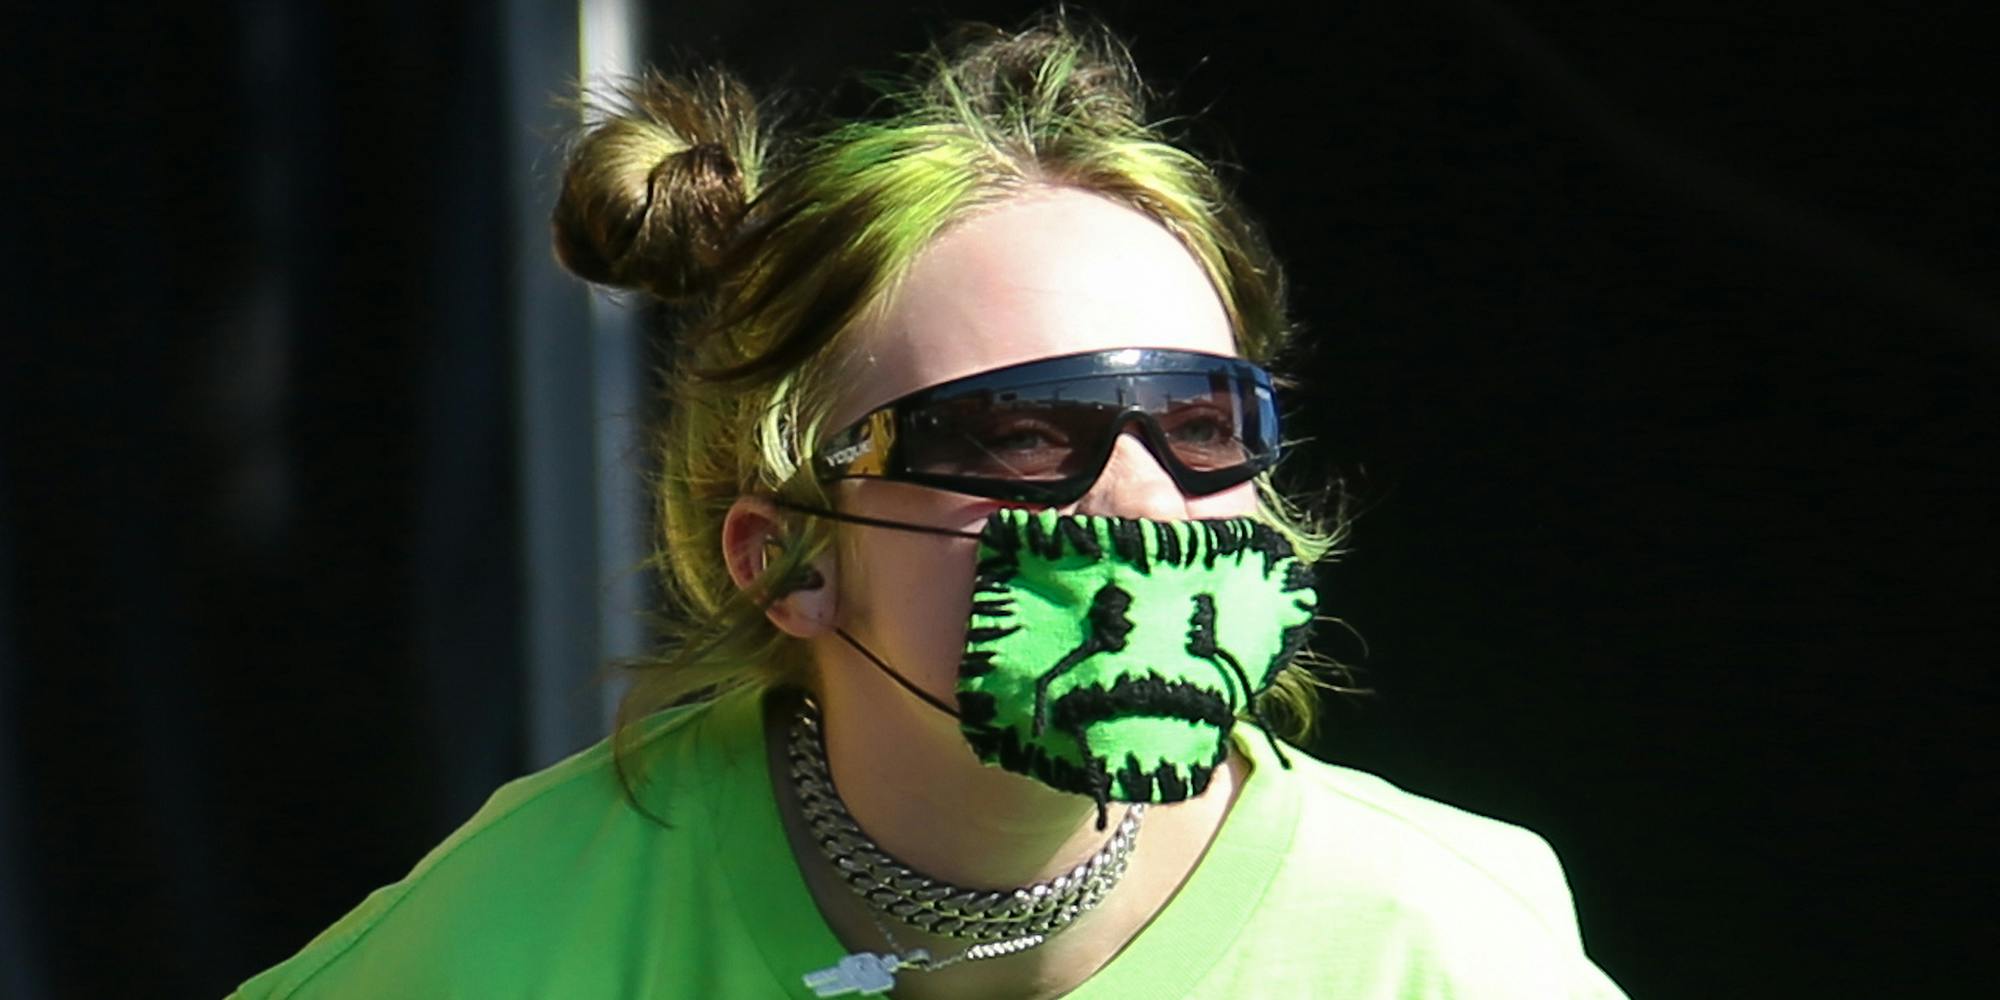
[(655, 189)]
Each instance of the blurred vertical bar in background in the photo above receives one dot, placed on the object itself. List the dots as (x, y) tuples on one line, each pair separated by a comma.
[(575, 366), (610, 52)]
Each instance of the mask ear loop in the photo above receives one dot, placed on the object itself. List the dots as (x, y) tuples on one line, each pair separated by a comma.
[(925, 696), (880, 664), (873, 522)]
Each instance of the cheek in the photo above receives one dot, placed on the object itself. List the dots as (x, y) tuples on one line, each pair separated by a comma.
[(910, 592), (914, 601), (1237, 501), (892, 576)]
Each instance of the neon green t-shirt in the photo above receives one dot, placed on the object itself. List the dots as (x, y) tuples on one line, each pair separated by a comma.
[(1323, 882)]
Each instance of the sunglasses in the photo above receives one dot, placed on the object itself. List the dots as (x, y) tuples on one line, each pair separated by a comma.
[(1041, 432)]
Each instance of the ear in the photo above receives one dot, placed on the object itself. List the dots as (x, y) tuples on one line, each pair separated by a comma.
[(751, 531)]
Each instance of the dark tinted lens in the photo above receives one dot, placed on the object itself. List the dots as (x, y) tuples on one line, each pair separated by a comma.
[(1057, 431), (1003, 436), (1210, 422)]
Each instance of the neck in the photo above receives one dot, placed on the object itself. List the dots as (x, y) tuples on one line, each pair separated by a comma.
[(911, 782)]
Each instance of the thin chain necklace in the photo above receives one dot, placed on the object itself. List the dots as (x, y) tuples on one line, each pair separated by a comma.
[(998, 922)]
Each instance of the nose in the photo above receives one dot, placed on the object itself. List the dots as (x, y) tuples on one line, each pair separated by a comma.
[(1133, 484)]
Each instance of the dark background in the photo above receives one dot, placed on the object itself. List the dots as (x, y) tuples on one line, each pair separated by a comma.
[(1656, 342)]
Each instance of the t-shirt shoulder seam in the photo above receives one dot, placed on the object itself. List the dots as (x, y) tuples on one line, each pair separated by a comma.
[(431, 861)]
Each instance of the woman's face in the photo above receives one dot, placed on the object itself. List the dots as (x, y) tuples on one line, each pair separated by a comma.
[(1053, 272)]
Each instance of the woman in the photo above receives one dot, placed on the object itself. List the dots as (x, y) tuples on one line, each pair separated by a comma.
[(965, 499)]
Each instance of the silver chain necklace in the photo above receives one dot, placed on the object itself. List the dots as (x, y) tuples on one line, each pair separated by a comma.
[(998, 922)]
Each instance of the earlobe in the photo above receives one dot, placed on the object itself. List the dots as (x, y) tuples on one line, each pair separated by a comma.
[(752, 540), (804, 607)]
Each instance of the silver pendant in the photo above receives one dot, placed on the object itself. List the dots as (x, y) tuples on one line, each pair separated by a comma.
[(864, 972)]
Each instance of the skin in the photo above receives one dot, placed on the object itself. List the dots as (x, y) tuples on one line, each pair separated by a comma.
[(1050, 272)]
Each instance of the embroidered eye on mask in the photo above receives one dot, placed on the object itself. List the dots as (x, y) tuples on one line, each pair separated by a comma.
[(1111, 656)]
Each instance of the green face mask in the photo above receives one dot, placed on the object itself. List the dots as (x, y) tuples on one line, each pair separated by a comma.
[(1110, 657)]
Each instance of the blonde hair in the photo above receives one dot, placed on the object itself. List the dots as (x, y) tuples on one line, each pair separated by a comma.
[(774, 247)]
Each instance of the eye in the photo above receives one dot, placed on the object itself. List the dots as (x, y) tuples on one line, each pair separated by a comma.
[(1204, 436), (1023, 435), (1198, 424), (1206, 429), (1002, 445)]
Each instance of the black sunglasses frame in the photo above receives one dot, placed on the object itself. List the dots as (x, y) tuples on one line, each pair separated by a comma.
[(852, 453)]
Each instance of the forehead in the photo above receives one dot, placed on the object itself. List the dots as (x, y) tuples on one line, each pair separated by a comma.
[(1052, 272)]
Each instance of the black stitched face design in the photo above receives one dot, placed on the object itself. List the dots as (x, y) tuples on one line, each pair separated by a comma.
[(1110, 657)]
